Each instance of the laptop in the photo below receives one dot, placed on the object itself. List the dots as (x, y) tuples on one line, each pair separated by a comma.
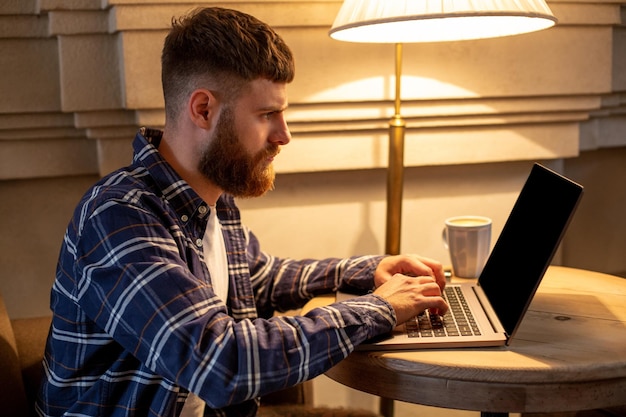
[(492, 308)]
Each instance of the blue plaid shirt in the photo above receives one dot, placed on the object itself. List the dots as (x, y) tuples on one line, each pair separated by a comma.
[(136, 324)]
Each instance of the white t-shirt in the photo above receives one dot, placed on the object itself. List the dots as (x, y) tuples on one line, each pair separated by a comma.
[(215, 255), (216, 261)]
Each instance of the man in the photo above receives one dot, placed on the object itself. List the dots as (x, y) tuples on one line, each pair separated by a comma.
[(163, 301)]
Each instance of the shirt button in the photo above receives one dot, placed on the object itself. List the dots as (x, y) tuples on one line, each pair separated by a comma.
[(199, 243), (202, 209), (184, 217)]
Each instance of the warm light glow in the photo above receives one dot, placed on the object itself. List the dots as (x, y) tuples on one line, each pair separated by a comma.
[(377, 89), (401, 21)]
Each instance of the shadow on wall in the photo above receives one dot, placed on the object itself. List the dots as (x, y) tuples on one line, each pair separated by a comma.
[(596, 239)]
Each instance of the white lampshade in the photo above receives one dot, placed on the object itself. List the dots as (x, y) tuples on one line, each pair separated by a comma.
[(400, 21)]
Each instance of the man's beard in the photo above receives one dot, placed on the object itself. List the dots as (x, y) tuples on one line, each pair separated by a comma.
[(228, 165)]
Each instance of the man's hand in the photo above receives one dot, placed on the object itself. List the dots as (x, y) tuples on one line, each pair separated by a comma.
[(410, 265), (411, 284)]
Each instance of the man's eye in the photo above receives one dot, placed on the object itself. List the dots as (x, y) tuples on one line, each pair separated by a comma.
[(269, 115)]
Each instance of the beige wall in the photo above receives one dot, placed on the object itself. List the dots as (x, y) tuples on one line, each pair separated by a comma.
[(79, 77)]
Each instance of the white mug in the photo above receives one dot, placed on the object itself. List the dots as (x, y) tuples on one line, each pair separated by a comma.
[(468, 239)]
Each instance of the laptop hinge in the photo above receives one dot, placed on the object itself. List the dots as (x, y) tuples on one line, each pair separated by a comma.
[(489, 311)]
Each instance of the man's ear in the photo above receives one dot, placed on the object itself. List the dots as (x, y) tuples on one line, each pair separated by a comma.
[(202, 107)]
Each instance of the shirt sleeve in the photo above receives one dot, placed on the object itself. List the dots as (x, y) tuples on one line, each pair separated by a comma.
[(282, 284), (135, 281)]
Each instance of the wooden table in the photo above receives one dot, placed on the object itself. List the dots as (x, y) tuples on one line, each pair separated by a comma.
[(569, 354)]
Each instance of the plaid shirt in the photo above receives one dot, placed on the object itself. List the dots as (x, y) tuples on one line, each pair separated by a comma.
[(136, 324)]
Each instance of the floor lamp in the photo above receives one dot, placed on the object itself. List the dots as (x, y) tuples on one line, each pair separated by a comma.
[(407, 21)]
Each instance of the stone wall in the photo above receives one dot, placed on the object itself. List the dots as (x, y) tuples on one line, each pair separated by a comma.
[(79, 77)]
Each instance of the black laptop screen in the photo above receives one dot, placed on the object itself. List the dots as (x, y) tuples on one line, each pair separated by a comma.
[(527, 243)]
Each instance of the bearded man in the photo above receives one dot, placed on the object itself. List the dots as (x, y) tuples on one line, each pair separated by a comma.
[(163, 302)]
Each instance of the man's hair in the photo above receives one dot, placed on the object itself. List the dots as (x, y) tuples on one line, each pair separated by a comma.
[(220, 49)]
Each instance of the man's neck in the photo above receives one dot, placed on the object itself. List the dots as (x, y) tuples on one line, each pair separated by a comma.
[(185, 165)]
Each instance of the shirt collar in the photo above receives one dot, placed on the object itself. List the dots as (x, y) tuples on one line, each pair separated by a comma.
[(183, 199)]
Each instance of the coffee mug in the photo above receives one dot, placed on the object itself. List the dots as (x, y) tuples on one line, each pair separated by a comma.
[(468, 239)]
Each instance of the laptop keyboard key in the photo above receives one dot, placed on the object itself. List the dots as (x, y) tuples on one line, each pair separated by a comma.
[(457, 321)]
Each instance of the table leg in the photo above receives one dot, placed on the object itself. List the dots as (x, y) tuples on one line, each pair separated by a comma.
[(386, 407)]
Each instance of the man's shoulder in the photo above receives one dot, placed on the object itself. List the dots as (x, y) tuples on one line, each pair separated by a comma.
[(125, 186), (122, 183)]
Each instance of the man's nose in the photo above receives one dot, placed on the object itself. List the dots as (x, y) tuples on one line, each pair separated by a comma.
[(281, 134)]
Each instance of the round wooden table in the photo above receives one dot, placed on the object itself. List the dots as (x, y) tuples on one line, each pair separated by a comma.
[(569, 354)]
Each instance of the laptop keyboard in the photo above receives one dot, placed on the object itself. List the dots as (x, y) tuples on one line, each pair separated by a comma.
[(458, 320)]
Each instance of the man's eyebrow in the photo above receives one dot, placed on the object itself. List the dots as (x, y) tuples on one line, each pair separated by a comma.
[(273, 108)]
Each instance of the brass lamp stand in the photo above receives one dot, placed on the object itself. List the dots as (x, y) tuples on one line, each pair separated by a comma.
[(395, 169)]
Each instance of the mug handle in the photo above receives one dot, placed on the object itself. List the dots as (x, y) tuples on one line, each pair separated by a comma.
[(444, 237)]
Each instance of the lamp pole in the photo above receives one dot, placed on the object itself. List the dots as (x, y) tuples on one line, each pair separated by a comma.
[(395, 167)]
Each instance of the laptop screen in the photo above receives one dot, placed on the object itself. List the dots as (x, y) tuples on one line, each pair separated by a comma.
[(527, 243)]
